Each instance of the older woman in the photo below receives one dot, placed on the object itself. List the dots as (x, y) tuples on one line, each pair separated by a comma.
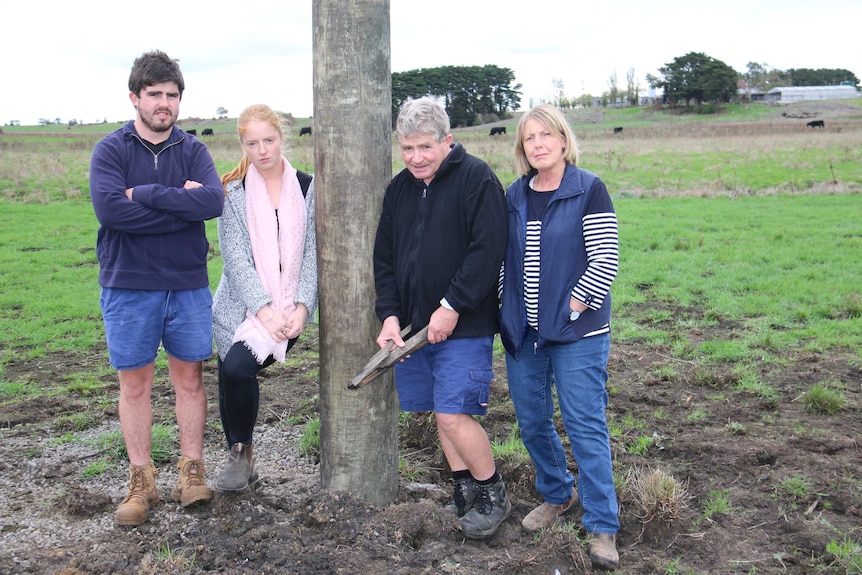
[(561, 258)]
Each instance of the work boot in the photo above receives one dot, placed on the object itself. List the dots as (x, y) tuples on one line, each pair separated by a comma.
[(603, 551), (465, 493), (239, 472), (491, 506), (191, 486), (143, 495), (547, 514)]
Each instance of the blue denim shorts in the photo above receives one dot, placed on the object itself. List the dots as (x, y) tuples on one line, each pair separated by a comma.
[(453, 376), (137, 321)]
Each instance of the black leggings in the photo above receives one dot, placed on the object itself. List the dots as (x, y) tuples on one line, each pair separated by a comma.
[(239, 392)]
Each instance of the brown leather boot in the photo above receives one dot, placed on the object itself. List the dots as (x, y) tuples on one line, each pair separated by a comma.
[(603, 551), (547, 514), (191, 486), (143, 495)]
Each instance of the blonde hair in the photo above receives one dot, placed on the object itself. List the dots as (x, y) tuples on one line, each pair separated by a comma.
[(255, 112), (552, 119)]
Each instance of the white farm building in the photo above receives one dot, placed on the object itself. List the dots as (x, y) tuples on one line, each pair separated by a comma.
[(800, 93)]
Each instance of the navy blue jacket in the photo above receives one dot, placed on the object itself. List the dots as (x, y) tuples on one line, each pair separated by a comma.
[(581, 202), (156, 241), (445, 239)]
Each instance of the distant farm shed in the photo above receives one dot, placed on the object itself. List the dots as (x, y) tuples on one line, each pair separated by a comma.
[(802, 93)]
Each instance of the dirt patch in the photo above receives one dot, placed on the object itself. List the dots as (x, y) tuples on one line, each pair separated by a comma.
[(702, 428)]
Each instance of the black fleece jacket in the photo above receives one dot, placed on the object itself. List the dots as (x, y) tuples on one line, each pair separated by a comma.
[(446, 239)]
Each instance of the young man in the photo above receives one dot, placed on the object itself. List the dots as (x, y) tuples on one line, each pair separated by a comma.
[(152, 186), (437, 255)]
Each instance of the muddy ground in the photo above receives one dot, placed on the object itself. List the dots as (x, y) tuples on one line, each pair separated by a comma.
[(705, 432)]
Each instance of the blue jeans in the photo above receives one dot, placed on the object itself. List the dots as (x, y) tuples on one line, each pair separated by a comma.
[(579, 372)]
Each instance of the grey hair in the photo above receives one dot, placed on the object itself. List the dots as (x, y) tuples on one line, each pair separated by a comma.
[(420, 117)]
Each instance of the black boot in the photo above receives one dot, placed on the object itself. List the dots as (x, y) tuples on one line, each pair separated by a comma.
[(464, 495), (491, 506)]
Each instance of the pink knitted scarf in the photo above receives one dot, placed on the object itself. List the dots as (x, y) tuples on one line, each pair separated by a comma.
[(277, 243)]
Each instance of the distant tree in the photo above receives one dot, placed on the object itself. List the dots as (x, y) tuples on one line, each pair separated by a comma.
[(632, 88), (762, 77), (613, 90), (695, 79), (221, 112), (585, 100), (559, 97), (821, 77), (467, 92)]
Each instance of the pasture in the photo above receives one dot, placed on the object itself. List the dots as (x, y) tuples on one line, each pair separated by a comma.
[(736, 374)]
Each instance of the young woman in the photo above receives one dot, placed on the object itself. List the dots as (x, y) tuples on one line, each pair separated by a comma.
[(268, 287)]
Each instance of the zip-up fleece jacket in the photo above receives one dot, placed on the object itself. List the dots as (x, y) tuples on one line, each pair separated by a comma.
[(446, 239), (569, 264), (157, 240)]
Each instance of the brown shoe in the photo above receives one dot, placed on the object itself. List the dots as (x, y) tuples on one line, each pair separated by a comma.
[(191, 486), (547, 514), (143, 495), (603, 551)]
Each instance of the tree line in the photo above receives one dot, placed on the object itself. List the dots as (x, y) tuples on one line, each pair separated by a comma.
[(471, 94), (696, 79)]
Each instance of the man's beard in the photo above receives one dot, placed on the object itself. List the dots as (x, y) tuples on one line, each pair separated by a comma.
[(160, 127)]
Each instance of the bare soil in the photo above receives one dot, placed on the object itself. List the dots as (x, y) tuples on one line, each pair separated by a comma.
[(54, 520)]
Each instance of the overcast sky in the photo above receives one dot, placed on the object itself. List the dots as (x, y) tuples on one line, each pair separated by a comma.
[(71, 59)]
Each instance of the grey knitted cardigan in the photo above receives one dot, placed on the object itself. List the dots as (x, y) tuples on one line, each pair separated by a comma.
[(239, 288)]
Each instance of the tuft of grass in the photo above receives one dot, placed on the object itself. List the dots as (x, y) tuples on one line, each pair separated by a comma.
[(169, 560), (823, 399), (162, 450), (97, 468), (796, 488), (78, 421), (13, 389), (736, 428), (512, 447), (848, 554), (658, 495), (717, 503), (309, 441), (641, 445), (697, 414)]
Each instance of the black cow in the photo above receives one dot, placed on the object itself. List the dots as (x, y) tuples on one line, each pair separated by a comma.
[(306, 131), (618, 130), (816, 124), (207, 132), (192, 132), (497, 131)]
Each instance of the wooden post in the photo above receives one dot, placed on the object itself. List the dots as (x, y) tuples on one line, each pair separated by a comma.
[(352, 165)]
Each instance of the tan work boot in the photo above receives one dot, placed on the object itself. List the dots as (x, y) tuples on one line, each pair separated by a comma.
[(603, 551), (546, 514), (143, 495), (191, 486)]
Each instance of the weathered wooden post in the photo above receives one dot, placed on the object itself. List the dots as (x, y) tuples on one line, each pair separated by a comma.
[(352, 166)]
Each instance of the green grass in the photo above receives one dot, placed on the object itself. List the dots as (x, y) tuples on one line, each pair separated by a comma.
[(309, 441), (823, 398), (847, 553), (717, 502), (512, 449)]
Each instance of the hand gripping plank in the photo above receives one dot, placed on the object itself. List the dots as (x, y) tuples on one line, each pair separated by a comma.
[(389, 356)]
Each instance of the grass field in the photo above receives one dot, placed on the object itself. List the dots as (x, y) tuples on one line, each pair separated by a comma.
[(735, 370)]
